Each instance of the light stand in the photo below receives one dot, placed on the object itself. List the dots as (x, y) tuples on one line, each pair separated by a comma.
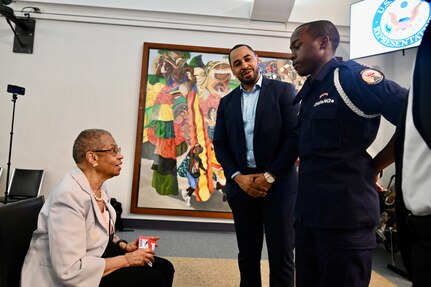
[(15, 90)]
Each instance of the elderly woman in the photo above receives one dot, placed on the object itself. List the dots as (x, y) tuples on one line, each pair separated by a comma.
[(74, 243)]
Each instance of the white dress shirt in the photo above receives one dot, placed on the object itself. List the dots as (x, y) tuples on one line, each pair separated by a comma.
[(416, 184)]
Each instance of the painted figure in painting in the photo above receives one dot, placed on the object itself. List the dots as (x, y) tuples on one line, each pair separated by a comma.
[(181, 104), (190, 168), (211, 121), (167, 124)]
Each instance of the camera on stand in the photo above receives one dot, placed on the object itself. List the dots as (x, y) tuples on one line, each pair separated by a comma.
[(15, 90)]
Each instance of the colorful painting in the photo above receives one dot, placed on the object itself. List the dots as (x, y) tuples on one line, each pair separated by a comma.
[(176, 171)]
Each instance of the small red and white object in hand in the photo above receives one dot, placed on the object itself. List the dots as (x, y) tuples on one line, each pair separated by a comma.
[(147, 243)]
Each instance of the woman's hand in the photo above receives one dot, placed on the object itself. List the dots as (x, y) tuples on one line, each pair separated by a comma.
[(130, 247), (140, 257)]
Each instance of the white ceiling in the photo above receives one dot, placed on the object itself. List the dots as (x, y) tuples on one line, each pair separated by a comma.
[(298, 11), (272, 10), (281, 11), (336, 11)]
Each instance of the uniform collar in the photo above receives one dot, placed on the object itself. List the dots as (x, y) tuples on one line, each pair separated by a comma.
[(327, 68)]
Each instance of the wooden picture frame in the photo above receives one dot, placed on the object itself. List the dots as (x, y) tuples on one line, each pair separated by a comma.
[(181, 87)]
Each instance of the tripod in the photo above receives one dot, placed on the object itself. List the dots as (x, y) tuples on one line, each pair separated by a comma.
[(14, 98)]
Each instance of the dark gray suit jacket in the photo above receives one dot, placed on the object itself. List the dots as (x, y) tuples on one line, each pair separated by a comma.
[(275, 132)]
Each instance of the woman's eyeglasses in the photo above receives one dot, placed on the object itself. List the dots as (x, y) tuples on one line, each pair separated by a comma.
[(114, 150)]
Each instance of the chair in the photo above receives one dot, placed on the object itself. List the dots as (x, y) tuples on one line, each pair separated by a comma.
[(18, 220), (25, 183)]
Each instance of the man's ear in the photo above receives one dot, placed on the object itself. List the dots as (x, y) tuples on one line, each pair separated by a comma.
[(324, 42)]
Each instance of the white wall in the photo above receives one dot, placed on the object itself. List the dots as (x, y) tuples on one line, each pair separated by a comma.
[(85, 72)]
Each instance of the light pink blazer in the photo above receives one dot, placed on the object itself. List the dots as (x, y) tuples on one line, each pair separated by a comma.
[(70, 238)]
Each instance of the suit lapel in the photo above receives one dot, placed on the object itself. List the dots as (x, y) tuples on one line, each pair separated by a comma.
[(82, 180), (260, 108), (237, 111), (237, 128)]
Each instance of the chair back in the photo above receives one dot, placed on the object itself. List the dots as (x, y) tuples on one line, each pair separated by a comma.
[(18, 220), (25, 183)]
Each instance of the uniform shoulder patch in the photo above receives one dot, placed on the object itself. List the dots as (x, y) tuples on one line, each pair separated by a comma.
[(371, 76)]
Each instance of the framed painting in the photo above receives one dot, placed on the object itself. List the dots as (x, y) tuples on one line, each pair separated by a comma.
[(175, 169)]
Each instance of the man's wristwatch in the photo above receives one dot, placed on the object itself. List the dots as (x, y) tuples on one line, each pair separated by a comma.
[(269, 178)]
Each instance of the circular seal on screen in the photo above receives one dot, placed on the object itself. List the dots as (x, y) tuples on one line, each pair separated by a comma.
[(371, 76), (400, 23)]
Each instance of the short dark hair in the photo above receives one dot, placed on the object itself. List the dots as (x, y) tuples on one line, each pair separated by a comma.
[(323, 28), (87, 140), (239, 46)]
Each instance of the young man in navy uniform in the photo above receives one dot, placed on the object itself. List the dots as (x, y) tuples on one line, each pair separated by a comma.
[(255, 141), (337, 207)]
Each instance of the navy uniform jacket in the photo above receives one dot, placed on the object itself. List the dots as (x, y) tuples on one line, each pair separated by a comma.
[(336, 179), (275, 135)]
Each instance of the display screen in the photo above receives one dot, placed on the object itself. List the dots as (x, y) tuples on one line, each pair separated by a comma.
[(382, 26)]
